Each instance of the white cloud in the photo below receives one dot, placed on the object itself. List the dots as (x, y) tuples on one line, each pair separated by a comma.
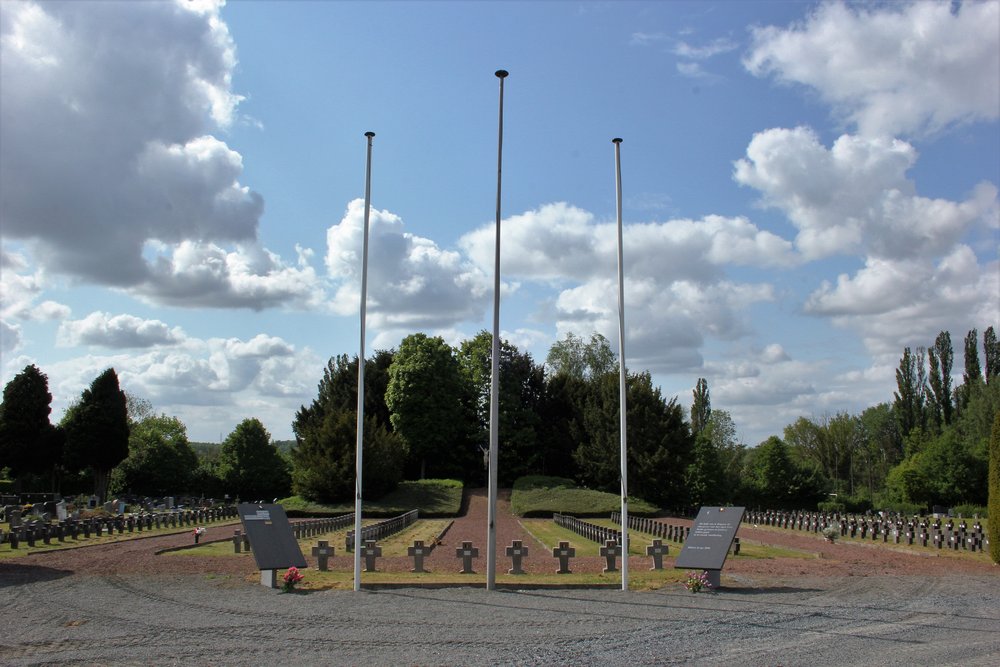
[(211, 385), (193, 274), (19, 290), (559, 242), (705, 51), (897, 303), (117, 331), (897, 69), (412, 283), (855, 197), (10, 337), (108, 150)]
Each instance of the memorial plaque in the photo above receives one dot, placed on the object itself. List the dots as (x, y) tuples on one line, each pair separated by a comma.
[(274, 545), (708, 543)]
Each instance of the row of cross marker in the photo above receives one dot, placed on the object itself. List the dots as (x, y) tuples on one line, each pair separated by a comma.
[(611, 551)]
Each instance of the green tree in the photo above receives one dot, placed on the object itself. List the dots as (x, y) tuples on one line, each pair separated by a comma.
[(776, 481), (323, 457), (701, 407), (991, 354), (704, 476), (29, 444), (909, 399), (160, 460), (251, 466), (940, 358), (430, 408), (659, 441), (575, 357), (973, 371), (721, 432), (522, 390), (882, 446), (994, 491), (97, 431)]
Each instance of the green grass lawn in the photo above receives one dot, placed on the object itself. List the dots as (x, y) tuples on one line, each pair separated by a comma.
[(536, 495), (433, 497)]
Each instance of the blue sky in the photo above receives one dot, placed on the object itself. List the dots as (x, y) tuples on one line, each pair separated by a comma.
[(808, 188)]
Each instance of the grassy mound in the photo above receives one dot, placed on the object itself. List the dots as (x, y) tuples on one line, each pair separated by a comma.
[(433, 497), (536, 495)]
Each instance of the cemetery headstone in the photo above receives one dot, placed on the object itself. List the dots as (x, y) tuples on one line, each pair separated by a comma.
[(237, 541), (370, 552), (610, 551), (417, 553), (516, 552), (467, 552), (657, 550), (563, 552), (323, 552)]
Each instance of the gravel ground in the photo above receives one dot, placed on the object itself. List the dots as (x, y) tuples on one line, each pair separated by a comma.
[(185, 620), (120, 604)]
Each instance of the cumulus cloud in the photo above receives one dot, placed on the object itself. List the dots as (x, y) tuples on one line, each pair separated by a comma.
[(109, 150), (559, 242), (20, 287), (676, 288), (891, 69), (210, 384), (412, 282), (205, 274), (907, 302), (855, 196), (117, 331)]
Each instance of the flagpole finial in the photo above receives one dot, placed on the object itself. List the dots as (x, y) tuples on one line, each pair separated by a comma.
[(616, 140), (501, 73), (369, 134)]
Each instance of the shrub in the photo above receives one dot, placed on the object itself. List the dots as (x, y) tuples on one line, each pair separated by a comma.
[(969, 510), (831, 506)]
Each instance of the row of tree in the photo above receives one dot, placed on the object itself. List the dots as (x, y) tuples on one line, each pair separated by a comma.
[(109, 442), (427, 415)]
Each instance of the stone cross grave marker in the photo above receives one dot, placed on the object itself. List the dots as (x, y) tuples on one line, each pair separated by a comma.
[(563, 552), (657, 550), (370, 552), (467, 552), (323, 552), (417, 553), (516, 552), (610, 551)]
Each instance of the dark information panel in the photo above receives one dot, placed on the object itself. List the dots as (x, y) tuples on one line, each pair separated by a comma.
[(271, 539), (711, 536)]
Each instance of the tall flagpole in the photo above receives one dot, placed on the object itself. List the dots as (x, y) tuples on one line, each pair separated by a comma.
[(361, 371), (621, 364), (491, 535)]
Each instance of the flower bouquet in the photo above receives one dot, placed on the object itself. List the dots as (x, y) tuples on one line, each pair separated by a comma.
[(697, 581), (292, 577)]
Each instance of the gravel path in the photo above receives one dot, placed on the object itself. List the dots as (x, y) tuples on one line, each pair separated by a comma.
[(854, 605)]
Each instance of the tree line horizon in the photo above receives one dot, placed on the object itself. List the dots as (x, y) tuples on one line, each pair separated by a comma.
[(427, 415)]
